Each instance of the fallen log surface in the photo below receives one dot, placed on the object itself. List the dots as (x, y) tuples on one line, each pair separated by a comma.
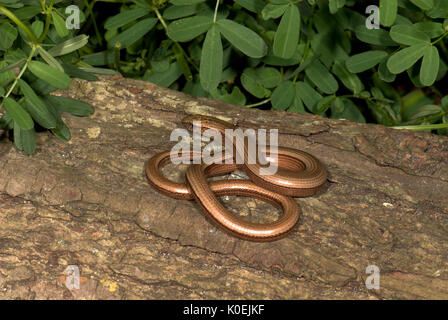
[(88, 203)]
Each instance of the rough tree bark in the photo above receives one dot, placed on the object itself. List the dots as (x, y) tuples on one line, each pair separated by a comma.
[(88, 203)]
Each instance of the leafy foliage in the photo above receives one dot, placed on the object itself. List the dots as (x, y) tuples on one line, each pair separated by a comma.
[(37, 56), (302, 56)]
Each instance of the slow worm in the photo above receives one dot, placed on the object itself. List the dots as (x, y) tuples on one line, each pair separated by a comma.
[(299, 174)]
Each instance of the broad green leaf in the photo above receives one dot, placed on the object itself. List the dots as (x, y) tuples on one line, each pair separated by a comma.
[(384, 73), (37, 27), (69, 45), (76, 72), (27, 12), (424, 111), (273, 11), (18, 114), (308, 95), (364, 61), (432, 29), (379, 37), (406, 58), (74, 107), (185, 2), (388, 12), (125, 17), (28, 140), (424, 4), (254, 6), (134, 33), (408, 35), (36, 107), (297, 104), (350, 112), (321, 77), (283, 95), (349, 79), (177, 12), (335, 5), (268, 77), (164, 79), (24, 140), (287, 35), (8, 35), (49, 74), (325, 103), (49, 59), (430, 66), (249, 81), (189, 28), (243, 38), (211, 60), (59, 24)]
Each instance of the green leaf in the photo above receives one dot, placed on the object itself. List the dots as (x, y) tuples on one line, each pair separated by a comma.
[(424, 4), (349, 112), (335, 5), (379, 37), (164, 79), (308, 95), (349, 79), (49, 58), (74, 107), (388, 12), (430, 66), (364, 61), (249, 81), (189, 28), (254, 6), (185, 2), (36, 107), (283, 95), (273, 11), (177, 12), (211, 60), (406, 58), (408, 35), (432, 29), (125, 17), (24, 140), (37, 28), (321, 77), (134, 33), (49, 74), (69, 45), (8, 35), (268, 77), (384, 73), (287, 35), (325, 103), (243, 38), (59, 24), (18, 114)]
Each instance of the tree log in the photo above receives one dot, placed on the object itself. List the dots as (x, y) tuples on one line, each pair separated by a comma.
[(88, 203)]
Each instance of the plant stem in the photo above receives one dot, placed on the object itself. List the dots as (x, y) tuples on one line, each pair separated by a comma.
[(216, 11), (19, 23), (48, 12), (22, 71), (258, 103), (440, 38), (177, 44)]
